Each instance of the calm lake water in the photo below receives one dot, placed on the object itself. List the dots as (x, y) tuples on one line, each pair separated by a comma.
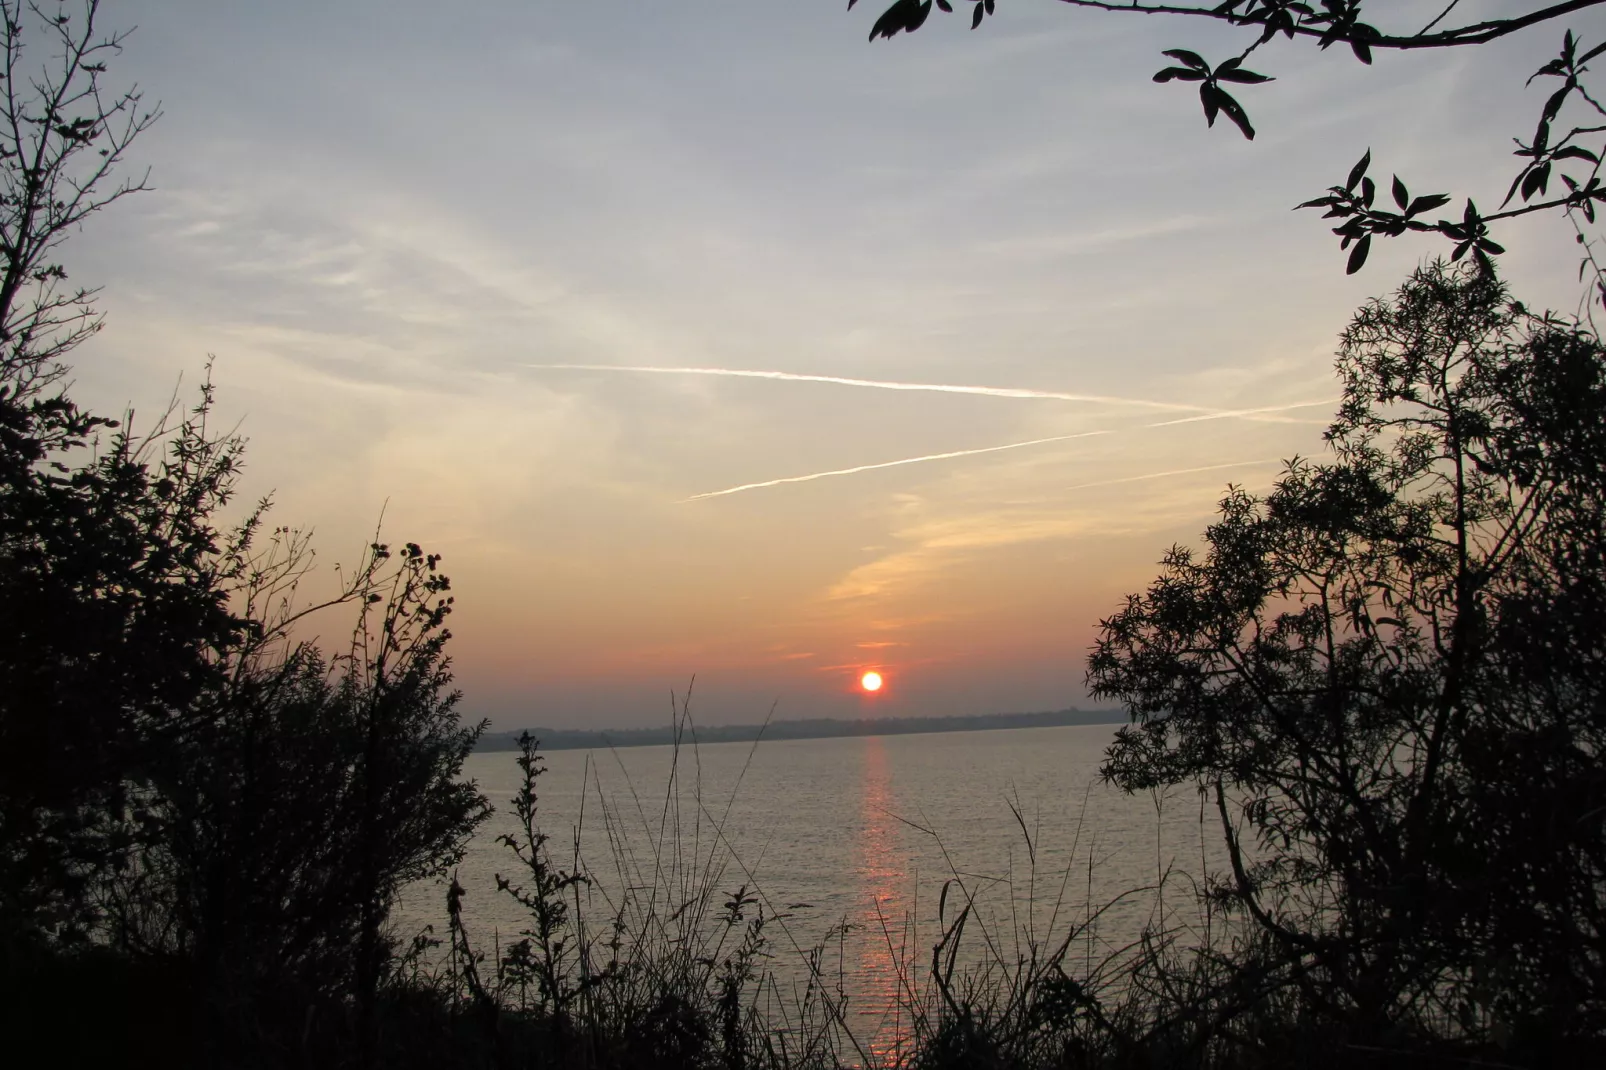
[(853, 839)]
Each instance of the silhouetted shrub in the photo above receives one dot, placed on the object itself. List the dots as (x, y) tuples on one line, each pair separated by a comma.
[(1387, 674)]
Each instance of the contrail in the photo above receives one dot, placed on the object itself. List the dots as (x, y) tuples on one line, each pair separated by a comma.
[(1244, 412), (888, 464), (879, 384), (1172, 472)]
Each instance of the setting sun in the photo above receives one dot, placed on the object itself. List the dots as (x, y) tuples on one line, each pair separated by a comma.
[(870, 681)]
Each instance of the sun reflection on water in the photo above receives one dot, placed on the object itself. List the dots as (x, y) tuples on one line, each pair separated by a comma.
[(883, 919)]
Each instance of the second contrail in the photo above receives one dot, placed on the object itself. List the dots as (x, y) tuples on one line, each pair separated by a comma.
[(889, 464), (1173, 472), (878, 384)]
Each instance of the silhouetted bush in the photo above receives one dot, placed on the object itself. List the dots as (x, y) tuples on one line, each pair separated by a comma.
[(183, 781), (1387, 675)]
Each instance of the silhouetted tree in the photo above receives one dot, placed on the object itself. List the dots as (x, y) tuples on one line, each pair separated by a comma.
[(182, 771), (275, 839), (106, 547), (1388, 675), (115, 617), (62, 136), (1567, 152)]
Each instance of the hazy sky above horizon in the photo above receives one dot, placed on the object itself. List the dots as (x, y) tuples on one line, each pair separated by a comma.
[(433, 249)]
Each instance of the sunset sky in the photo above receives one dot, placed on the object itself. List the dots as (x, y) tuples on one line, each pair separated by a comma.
[(445, 255)]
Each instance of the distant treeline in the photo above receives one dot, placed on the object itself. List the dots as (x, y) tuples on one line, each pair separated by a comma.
[(822, 728)]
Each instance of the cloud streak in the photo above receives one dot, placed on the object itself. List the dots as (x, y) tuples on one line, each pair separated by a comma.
[(889, 464), (1195, 413), (883, 384), (1173, 472), (1245, 413)]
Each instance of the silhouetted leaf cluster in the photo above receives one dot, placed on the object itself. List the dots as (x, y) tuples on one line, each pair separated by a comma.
[(1211, 95), (907, 16)]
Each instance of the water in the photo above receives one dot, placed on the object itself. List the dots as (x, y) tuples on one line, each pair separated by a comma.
[(862, 831)]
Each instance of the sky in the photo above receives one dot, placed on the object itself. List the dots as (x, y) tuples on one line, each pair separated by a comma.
[(490, 272)]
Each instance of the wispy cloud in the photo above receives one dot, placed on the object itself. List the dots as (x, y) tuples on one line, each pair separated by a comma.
[(1174, 472), (1037, 245), (1239, 413), (890, 464), (881, 384), (1248, 413), (936, 547)]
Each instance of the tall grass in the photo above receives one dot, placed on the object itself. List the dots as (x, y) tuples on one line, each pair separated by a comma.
[(669, 962), (682, 957), (668, 951)]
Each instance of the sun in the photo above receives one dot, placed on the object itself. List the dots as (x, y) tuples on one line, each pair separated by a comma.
[(870, 681)]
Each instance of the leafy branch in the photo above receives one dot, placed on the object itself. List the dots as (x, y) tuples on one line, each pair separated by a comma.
[(1211, 95), (1328, 22), (1556, 153), (1545, 154)]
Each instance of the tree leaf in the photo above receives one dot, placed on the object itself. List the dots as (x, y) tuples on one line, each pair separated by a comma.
[(1357, 255), (1210, 96), (1192, 59), (1427, 203), (1236, 113), (1242, 77), (1531, 183), (1358, 171), (1181, 74), (976, 14), (1516, 184), (1554, 67), (903, 16), (1401, 196), (1557, 99), (947, 8), (891, 21)]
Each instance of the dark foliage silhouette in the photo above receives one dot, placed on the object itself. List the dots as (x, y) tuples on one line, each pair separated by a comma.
[(191, 792), (1386, 676), (113, 619), (107, 551), (273, 840)]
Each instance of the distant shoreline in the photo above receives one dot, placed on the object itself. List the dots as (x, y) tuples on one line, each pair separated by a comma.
[(823, 728)]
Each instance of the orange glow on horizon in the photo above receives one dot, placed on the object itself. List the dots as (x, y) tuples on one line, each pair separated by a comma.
[(870, 681)]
